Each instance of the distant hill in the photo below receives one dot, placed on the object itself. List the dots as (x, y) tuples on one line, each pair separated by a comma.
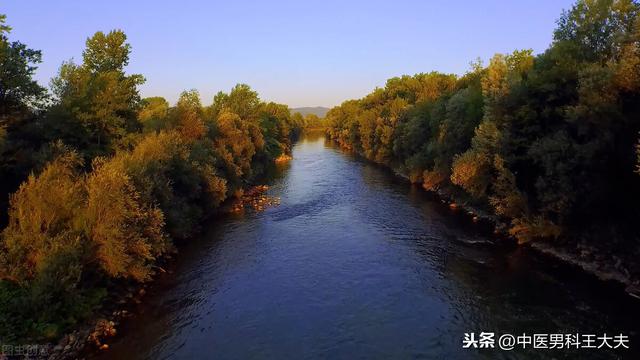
[(318, 110)]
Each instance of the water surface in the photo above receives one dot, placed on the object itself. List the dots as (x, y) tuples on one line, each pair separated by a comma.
[(356, 263)]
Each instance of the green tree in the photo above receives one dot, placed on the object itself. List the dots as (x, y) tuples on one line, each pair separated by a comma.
[(18, 91), (97, 103), (153, 114), (20, 101), (242, 100)]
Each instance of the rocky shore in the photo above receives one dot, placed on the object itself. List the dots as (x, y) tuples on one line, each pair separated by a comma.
[(604, 266), (92, 335)]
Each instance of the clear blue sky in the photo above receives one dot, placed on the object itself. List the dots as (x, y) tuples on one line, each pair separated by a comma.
[(301, 53)]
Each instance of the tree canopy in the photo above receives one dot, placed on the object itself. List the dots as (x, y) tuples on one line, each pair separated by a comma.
[(547, 142), (103, 183)]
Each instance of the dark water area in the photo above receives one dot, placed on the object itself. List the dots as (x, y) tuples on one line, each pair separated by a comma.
[(356, 263)]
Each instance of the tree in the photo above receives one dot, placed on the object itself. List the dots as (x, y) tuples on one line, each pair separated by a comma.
[(18, 91), (312, 121), (44, 218), (153, 113), (189, 115), (593, 29), (97, 97), (126, 233), (275, 126), (75, 231), (234, 146), (241, 101), (21, 98)]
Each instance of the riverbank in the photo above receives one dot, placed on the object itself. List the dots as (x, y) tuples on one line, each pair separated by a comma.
[(605, 266), (132, 296), (93, 335), (358, 265)]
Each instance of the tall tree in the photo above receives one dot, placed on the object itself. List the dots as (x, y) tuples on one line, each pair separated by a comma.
[(18, 90), (97, 97), (20, 97)]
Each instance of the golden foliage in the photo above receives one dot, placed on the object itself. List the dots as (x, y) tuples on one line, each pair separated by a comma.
[(508, 201), (236, 143), (528, 229), (471, 171), (44, 216), (432, 179), (126, 234)]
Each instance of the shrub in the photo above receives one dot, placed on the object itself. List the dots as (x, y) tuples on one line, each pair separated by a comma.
[(44, 217), (126, 234)]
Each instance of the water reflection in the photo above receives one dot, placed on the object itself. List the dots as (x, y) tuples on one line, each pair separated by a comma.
[(356, 263)]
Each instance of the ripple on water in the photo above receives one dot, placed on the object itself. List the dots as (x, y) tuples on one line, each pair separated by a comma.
[(354, 265)]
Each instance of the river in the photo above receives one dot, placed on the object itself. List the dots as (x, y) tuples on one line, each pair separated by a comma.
[(357, 263)]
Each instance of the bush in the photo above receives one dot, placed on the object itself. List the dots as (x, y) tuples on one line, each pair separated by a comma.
[(44, 217), (126, 233), (178, 175), (44, 252)]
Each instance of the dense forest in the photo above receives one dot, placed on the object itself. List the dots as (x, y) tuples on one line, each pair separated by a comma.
[(98, 183), (547, 143)]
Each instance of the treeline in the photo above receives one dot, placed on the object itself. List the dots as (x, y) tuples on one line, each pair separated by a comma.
[(103, 183), (309, 121), (546, 142)]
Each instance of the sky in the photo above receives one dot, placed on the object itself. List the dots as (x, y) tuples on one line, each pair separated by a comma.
[(300, 53)]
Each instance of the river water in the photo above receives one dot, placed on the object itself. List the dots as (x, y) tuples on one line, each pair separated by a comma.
[(356, 263)]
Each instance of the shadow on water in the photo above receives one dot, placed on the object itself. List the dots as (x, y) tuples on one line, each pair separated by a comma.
[(357, 263)]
